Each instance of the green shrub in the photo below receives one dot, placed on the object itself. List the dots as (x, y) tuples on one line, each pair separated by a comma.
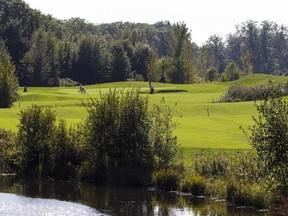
[(217, 188), (8, 151), (34, 137), (167, 180), (122, 132), (211, 164), (269, 138), (64, 152), (243, 193), (195, 184), (237, 93)]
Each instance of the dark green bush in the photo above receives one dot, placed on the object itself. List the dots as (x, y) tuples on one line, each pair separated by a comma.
[(35, 135), (122, 132), (195, 184), (65, 153), (168, 180), (45, 148), (237, 93), (245, 193), (8, 151)]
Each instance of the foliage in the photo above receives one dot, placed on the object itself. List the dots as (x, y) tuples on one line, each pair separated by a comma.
[(35, 135), (123, 133), (195, 184), (65, 152), (211, 74), (269, 138), (168, 180), (8, 80), (46, 149), (230, 73), (8, 151), (181, 55), (237, 93), (44, 47), (67, 82), (243, 165), (161, 136), (244, 193)]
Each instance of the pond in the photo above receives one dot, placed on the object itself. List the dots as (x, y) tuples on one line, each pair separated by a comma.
[(34, 197)]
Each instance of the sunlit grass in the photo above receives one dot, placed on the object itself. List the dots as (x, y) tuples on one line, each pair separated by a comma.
[(202, 122)]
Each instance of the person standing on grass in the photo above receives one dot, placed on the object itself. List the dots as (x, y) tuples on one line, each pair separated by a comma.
[(151, 88)]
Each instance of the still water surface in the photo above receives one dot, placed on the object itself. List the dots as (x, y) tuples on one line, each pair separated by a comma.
[(34, 197)]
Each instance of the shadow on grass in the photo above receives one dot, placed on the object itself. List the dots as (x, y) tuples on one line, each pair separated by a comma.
[(171, 91), (165, 91)]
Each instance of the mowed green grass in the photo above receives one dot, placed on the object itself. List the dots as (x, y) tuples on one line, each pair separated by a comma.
[(202, 122)]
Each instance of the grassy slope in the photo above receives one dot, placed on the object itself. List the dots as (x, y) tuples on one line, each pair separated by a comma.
[(219, 130)]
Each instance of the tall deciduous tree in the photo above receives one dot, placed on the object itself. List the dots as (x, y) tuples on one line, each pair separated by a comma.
[(216, 55), (8, 79), (181, 54)]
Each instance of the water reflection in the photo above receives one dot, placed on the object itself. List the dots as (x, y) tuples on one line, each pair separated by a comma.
[(120, 200), (15, 205)]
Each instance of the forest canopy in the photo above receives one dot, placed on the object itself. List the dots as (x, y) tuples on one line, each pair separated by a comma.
[(50, 52)]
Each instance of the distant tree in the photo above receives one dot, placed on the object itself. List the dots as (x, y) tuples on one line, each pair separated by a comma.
[(121, 66), (66, 53), (234, 48), (249, 32), (40, 60), (144, 56), (202, 61), (8, 79), (231, 72), (246, 63), (216, 53), (181, 55), (211, 74)]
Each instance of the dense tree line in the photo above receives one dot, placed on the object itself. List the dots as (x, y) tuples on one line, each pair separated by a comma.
[(44, 49)]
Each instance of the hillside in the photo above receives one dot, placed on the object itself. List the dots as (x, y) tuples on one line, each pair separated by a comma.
[(202, 123)]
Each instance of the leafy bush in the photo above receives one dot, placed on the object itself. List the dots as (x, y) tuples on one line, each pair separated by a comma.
[(8, 151), (122, 132), (244, 193), (269, 136), (210, 163), (35, 134), (168, 180), (65, 153), (195, 184), (45, 148), (237, 93)]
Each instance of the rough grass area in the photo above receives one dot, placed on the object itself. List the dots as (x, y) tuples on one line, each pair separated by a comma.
[(202, 123)]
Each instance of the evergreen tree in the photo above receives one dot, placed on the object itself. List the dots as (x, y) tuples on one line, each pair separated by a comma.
[(8, 80)]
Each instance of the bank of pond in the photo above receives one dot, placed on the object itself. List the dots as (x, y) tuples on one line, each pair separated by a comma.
[(51, 197)]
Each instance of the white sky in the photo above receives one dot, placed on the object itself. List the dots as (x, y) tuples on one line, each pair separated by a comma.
[(203, 17)]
